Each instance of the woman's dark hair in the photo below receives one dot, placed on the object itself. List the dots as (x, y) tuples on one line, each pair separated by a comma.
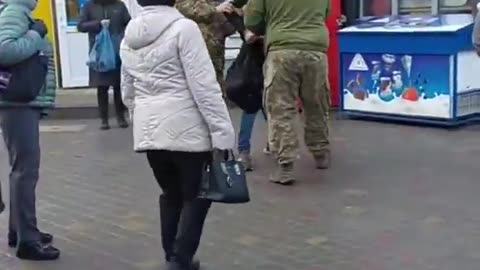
[(145, 3)]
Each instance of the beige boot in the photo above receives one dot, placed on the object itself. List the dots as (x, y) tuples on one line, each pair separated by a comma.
[(323, 161), (284, 175)]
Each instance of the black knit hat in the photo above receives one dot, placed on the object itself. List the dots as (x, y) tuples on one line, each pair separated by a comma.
[(145, 3)]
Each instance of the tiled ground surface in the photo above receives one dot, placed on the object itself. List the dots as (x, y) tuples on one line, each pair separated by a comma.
[(397, 198)]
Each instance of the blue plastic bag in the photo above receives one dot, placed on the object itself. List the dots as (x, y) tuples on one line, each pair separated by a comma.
[(103, 56)]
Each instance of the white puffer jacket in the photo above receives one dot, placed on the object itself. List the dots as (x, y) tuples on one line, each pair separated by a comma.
[(170, 87)]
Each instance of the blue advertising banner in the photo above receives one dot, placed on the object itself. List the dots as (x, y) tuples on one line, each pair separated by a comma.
[(410, 85)]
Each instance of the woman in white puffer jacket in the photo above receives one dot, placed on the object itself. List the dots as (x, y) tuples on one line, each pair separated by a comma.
[(179, 117)]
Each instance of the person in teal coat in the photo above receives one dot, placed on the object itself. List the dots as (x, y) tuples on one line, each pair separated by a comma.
[(20, 38)]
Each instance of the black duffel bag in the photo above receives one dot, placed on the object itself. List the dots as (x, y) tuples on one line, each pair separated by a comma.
[(23, 82), (244, 80)]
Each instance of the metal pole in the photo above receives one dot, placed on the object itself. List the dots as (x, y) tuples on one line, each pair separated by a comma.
[(435, 7), (395, 7), (361, 11)]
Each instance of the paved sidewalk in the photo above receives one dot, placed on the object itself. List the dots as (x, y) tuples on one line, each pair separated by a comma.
[(397, 198)]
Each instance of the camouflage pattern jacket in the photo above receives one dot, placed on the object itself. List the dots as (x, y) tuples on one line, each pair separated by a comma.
[(214, 26)]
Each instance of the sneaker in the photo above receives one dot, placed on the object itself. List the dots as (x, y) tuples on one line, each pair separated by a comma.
[(246, 159), (323, 161), (284, 175)]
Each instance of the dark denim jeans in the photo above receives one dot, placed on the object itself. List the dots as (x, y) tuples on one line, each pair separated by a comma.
[(246, 128)]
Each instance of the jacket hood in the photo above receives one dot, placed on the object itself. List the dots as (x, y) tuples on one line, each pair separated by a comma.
[(150, 24), (29, 4)]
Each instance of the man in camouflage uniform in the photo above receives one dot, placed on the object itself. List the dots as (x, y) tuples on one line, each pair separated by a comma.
[(208, 14), (296, 66)]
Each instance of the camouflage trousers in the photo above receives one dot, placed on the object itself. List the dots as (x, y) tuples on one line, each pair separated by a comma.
[(289, 75)]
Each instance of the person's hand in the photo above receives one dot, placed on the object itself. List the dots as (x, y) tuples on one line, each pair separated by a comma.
[(40, 27), (250, 37), (105, 23), (218, 154), (238, 11), (225, 7)]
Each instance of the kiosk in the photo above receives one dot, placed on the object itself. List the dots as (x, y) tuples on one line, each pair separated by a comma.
[(419, 68)]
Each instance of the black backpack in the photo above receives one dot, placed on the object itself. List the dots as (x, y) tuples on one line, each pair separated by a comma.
[(23, 81)]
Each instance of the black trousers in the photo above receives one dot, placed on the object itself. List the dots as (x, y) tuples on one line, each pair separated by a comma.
[(103, 103), (182, 214)]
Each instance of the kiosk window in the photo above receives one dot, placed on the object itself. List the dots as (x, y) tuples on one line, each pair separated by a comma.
[(73, 10), (377, 8), (457, 6), (415, 6)]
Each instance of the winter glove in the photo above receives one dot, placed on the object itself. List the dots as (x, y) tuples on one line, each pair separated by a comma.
[(40, 27)]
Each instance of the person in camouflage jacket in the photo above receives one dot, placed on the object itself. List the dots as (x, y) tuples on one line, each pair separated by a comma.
[(209, 15)]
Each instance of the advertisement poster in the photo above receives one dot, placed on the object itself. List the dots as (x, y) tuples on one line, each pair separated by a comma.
[(411, 23), (407, 85)]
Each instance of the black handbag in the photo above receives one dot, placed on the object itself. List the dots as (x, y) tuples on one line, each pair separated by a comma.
[(23, 82), (224, 181), (244, 80)]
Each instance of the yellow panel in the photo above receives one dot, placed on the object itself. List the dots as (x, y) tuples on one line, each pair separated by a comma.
[(44, 12)]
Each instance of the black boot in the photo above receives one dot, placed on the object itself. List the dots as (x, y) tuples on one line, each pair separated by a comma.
[(45, 238), (190, 231), (169, 218), (35, 251), (102, 98), (119, 108)]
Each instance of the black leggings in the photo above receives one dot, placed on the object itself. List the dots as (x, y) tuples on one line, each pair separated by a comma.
[(103, 104), (179, 175)]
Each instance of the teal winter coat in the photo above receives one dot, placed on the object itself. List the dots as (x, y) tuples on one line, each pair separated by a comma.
[(18, 43)]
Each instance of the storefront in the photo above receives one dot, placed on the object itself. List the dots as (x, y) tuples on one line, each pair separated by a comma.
[(72, 45), (411, 60)]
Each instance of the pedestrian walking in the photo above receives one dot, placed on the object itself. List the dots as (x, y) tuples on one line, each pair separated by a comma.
[(179, 117), (296, 66), (95, 15), (23, 44), (244, 82), (209, 15)]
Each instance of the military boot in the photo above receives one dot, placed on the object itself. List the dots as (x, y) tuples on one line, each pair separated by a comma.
[(323, 160), (284, 175)]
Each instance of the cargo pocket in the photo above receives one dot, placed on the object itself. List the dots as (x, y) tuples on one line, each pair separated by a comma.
[(269, 73)]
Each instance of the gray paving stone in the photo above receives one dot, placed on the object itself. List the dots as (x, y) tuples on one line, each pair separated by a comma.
[(396, 198)]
